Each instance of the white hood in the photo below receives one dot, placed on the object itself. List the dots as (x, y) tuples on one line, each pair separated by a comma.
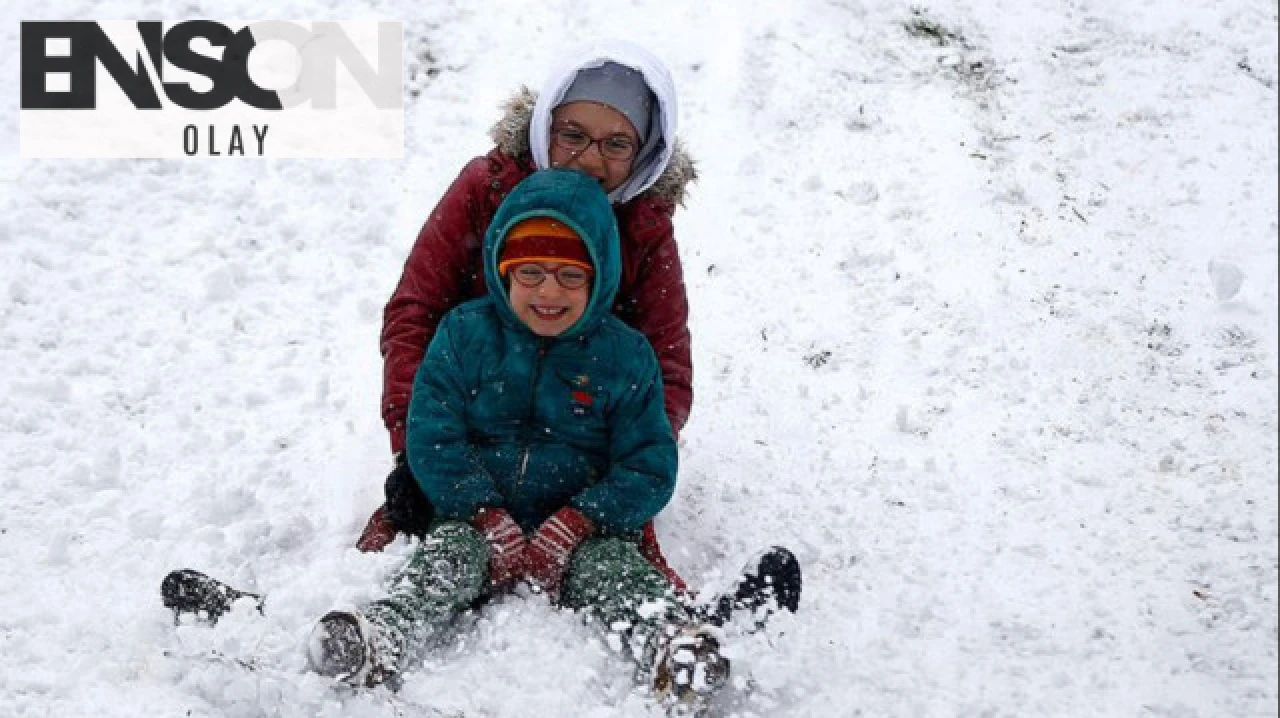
[(650, 162)]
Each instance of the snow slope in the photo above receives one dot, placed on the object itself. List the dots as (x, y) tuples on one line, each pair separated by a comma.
[(985, 320)]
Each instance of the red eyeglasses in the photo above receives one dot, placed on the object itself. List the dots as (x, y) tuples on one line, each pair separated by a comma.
[(568, 276)]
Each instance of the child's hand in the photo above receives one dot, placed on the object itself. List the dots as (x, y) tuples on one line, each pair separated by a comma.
[(552, 545), (507, 545)]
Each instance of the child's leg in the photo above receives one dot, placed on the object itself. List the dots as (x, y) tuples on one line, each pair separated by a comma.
[(443, 577), (622, 590), (677, 654)]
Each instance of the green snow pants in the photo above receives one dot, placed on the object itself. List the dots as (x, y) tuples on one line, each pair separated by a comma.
[(449, 571)]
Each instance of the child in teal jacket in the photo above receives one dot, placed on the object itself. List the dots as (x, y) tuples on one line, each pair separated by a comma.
[(536, 398), (537, 430)]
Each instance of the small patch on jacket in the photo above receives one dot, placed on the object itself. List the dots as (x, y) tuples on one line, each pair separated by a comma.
[(582, 400)]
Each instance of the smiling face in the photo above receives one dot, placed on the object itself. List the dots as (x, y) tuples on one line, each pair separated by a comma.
[(597, 121), (548, 309)]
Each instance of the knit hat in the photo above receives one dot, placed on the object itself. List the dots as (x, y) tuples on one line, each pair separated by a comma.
[(619, 87), (542, 239)]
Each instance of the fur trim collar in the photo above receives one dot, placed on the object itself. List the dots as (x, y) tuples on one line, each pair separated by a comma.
[(511, 133)]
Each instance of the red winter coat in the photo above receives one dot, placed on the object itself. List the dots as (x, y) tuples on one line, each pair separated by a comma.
[(443, 270)]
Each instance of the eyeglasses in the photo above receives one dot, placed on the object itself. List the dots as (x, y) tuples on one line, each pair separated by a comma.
[(568, 276), (613, 147)]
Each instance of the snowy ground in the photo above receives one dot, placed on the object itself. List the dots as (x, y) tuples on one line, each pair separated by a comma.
[(985, 321)]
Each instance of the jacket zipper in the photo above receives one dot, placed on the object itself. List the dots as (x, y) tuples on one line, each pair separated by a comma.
[(526, 430)]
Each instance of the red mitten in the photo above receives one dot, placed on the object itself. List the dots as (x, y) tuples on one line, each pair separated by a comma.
[(506, 545), (552, 545), (378, 532)]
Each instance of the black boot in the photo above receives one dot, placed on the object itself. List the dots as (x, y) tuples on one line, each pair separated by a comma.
[(188, 591), (769, 583)]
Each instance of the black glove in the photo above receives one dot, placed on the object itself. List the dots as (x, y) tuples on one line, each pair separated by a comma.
[(407, 507)]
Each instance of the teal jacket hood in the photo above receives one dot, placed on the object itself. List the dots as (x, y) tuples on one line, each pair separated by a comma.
[(578, 201)]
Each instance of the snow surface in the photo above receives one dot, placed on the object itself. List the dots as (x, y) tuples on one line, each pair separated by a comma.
[(985, 330)]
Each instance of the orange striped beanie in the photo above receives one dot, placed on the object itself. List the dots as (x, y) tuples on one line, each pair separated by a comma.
[(542, 239)]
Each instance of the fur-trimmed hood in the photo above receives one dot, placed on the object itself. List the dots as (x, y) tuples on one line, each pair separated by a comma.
[(511, 134)]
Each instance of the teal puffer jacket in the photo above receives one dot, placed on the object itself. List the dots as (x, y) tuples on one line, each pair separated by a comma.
[(501, 417)]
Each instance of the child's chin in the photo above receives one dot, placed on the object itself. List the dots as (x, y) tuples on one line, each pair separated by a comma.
[(547, 329)]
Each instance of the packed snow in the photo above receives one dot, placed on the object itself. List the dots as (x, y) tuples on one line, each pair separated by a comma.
[(984, 307)]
